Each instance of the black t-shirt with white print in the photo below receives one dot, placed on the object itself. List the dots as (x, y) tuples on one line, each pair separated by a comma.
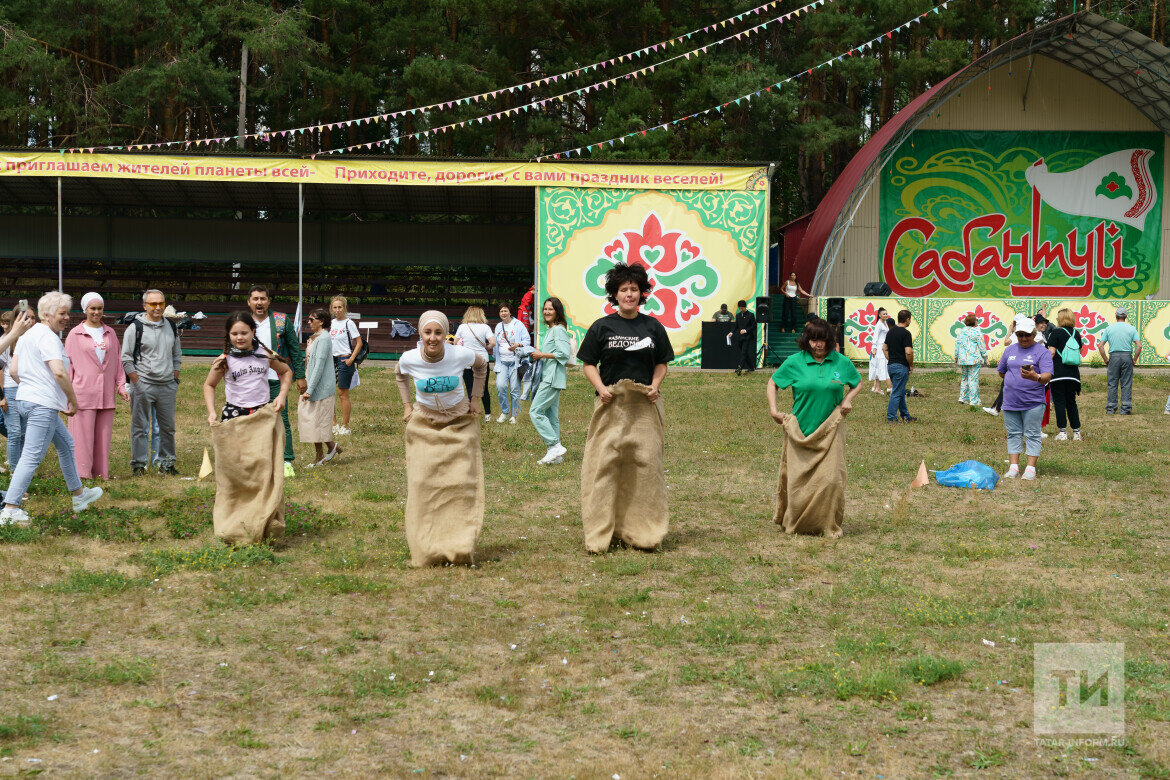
[(626, 349)]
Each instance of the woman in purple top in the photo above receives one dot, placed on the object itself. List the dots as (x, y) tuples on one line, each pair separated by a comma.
[(1026, 367), (244, 366)]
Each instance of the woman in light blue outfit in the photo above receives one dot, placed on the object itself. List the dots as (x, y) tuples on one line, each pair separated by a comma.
[(970, 355), (510, 336), (556, 350)]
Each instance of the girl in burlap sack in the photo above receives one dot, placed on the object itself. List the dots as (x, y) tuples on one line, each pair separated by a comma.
[(247, 436), (444, 462), (811, 492), (623, 486)]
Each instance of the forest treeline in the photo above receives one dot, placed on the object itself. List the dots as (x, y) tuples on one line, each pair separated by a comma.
[(93, 72)]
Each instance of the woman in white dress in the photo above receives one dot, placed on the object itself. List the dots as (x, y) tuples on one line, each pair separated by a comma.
[(879, 367)]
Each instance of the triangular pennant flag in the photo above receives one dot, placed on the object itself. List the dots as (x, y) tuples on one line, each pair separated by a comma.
[(206, 469)]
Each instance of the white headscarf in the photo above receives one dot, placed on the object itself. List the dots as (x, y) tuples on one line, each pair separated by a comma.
[(89, 298)]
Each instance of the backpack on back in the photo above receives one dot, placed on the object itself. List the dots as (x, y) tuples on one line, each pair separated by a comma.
[(1070, 354)]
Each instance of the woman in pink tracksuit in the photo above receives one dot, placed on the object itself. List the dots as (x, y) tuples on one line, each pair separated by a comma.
[(95, 369)]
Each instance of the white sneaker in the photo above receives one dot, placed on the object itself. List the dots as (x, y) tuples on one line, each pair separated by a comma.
[(336, 428), (1076, 435), (343, 431), (1043, 435), (1029, 473), (14, 516), (1012, 472), (560, 449), (512, 419), (991, 410), (501, 418), (1062, 436), (87, 497), (549, 456), (487, 417)]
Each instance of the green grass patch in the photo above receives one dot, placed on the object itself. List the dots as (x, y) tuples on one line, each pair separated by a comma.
[(84, 581), (187, 515), (25, 729), (928, 670), (111, 524), (307, 520), (345, 583), (209, 557)]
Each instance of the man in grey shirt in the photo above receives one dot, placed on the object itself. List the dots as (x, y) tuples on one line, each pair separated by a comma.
[(151, 355)]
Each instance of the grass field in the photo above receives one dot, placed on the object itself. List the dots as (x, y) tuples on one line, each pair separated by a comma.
[(135, 644)]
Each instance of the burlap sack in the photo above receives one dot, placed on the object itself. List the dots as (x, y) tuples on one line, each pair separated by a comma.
[(444, 488), (249, 477), (623, 487), (812, 478)]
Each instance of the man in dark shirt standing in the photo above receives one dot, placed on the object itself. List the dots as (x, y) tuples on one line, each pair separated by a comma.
[(899, 351), (745, 338)]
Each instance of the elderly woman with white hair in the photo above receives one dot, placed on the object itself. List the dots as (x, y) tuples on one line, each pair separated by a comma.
[(1026, 367), (444, 462), (96, 377), (38, 366)]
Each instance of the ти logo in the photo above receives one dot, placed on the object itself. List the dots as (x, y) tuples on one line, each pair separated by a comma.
[(1079, 688)]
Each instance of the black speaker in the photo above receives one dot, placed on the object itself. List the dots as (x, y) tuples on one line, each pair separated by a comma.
[(836, 311), (877, 290), (764, 308)]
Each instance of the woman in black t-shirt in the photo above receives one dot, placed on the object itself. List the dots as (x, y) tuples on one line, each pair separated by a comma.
[(1066, 379), (625, 356)]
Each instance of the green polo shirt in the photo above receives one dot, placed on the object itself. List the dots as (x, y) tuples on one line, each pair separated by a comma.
[(817, 388)]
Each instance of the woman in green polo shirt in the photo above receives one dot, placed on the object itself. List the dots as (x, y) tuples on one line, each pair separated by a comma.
[(812, 467)]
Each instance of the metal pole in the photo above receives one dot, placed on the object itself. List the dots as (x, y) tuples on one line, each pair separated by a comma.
[(60, 246), (300, 251)]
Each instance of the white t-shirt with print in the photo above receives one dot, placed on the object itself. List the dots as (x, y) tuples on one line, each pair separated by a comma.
[(516, 334), (265, 335), (98, 335), (475, 336), (438, 386), (37, 383), (340, 333)]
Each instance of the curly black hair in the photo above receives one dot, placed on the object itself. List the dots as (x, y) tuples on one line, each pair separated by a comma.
[(817, 330), (622, 273)]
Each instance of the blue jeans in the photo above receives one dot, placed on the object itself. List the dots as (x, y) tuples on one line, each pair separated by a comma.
[(15, 425), (1023, 431), (42, 426), (898, 375), (508, 387)]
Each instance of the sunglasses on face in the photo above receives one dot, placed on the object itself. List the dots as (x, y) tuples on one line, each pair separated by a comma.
[(156, 305)]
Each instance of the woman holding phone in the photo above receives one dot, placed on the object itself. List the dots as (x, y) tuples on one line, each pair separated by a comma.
[(1026, 368)]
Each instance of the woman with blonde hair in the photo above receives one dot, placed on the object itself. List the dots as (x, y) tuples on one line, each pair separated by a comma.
[(1066, 378), (475, 334), (347, 342), (38, 366)]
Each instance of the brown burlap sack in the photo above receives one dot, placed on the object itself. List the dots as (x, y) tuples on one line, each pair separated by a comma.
[(249, 477), (444, 488), (812, 478), (623, 487)]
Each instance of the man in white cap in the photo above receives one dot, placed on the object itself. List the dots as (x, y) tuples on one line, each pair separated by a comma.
[(1124, 348)]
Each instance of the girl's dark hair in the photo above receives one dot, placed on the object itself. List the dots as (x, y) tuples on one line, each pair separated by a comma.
[(237, 316), (558, 309), (970, 320), (320, 315), (622, 273), (817, 330)]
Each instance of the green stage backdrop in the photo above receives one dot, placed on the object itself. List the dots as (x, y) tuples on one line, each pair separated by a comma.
[(700, 249), (1013, 214)]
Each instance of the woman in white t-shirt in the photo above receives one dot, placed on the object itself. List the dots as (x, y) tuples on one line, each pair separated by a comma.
[(790, 314), (347, 341), (38, 366), (879, 365), (475, 334), (510, 335), (444, 462), (95, 369)]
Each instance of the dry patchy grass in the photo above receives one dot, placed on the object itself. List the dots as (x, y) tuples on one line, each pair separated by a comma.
[(733, 651)]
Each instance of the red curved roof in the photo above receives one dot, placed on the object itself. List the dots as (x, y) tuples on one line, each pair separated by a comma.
[(827, 213)]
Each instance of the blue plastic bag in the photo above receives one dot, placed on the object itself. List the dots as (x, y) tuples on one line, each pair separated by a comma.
[(968, 474)]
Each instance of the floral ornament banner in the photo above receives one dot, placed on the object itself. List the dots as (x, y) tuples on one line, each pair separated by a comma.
[(1017, 214), (698, 252), (936, 323)]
